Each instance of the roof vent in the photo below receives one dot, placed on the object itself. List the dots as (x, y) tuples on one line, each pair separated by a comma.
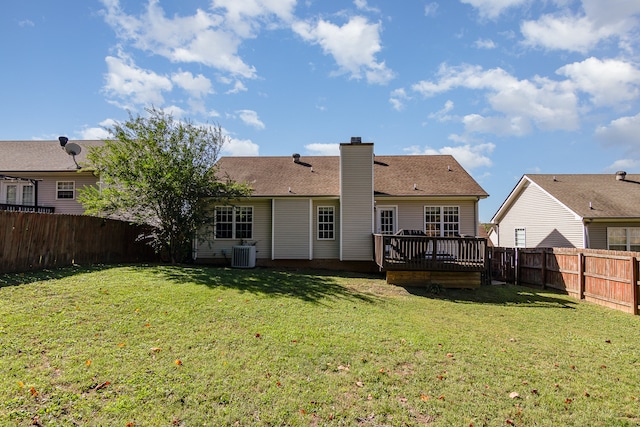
[(296, 158), (356, 140), (620, 175)]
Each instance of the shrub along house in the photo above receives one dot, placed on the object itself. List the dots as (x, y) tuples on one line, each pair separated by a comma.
[(43, 176), (589, 211), (415, 214)]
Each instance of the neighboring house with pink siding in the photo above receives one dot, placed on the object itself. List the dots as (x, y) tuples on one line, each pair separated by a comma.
[(596, 211), (41, 176), (322, 209)]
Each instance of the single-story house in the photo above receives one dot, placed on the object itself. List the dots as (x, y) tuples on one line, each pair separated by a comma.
[(43, 176), (596, 211), (322, 210)]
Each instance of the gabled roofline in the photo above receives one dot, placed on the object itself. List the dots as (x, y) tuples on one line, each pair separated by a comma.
[(521, 185)]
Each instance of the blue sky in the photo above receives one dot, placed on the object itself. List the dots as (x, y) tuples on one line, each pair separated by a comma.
[(506, 86)]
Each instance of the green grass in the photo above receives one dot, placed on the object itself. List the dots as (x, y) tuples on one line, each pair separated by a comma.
[(179, 346)]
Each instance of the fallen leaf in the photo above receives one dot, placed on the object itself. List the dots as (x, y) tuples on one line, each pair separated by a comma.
[(121, 344), (156, 349), (279, 384), (586, 394), (130, 424), (178, 362), (441, 397), (359, 383), (510, 422), (33, 391), (147, 325), (343, 368), (88, 362), (608, 341), (424, 397), (534, 391), (101, 386), (20, 384), (514, 395), (403, 399), (449, 354), (258, 336), (369, 397)]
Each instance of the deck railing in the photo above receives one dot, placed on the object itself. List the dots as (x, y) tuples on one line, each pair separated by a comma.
[(26, 208), (397, 252)]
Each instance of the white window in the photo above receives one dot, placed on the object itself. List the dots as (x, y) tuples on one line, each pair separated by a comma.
[(18, 193), (386, 217), (65, 190), (623, 238), (442, 221), (520, 238), (326, 222), (233, 223)]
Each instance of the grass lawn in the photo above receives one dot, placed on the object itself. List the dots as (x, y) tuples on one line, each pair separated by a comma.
[(180, 346)]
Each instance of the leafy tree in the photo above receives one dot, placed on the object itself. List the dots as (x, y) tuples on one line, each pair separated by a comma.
[(161, 172)]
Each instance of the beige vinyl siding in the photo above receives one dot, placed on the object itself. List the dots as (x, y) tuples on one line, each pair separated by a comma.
[(356, 201), (47, 190), (326, 249), (291, 228), (547, 223), (411, 212), (208, 247), (598, 232)]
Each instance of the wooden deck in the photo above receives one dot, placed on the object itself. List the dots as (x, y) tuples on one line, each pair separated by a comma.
[(411, 259)]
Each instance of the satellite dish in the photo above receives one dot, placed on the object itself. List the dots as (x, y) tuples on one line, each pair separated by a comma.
[(72, 149)]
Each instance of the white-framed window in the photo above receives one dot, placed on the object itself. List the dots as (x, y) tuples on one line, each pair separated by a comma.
[(623, 239), (520, 238), (386, 219), (65, 189), (233, 222), (18, 193), (442, 221), (326, 223)]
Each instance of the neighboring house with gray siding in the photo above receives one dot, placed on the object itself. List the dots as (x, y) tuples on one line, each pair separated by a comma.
[(324, 209), (40, 175), (597, 211)]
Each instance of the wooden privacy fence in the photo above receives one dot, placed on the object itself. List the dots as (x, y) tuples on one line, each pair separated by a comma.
[(608, 278), (32, 241)]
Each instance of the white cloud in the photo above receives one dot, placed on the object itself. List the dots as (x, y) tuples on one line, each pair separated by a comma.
[(26, 23), (581, 31), (493, 8), (353, 46), (621, 132), (362, 5), (238, 87), (443, 114), (609, 82), (469, 156), (318, 149), (246, 16), (133, 85), (484, 44), (548, 104), (397, 98), (623, 164), (200, 38), (431, 9), (240, 147), (197, 86), (250, 117)]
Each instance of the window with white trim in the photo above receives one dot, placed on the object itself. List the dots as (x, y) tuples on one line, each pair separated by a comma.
[(326, 223), (442, 221), (520, 238), (18, 193), (233, 222), (623, 239), (65, 189)]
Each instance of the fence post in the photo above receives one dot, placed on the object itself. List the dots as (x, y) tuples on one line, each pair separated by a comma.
[(634, 285), (581, 275), (517, 266), (544, 268)]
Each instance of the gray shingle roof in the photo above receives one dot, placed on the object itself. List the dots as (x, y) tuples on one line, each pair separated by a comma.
[(39, 156), (609, 197), (439, 175)]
